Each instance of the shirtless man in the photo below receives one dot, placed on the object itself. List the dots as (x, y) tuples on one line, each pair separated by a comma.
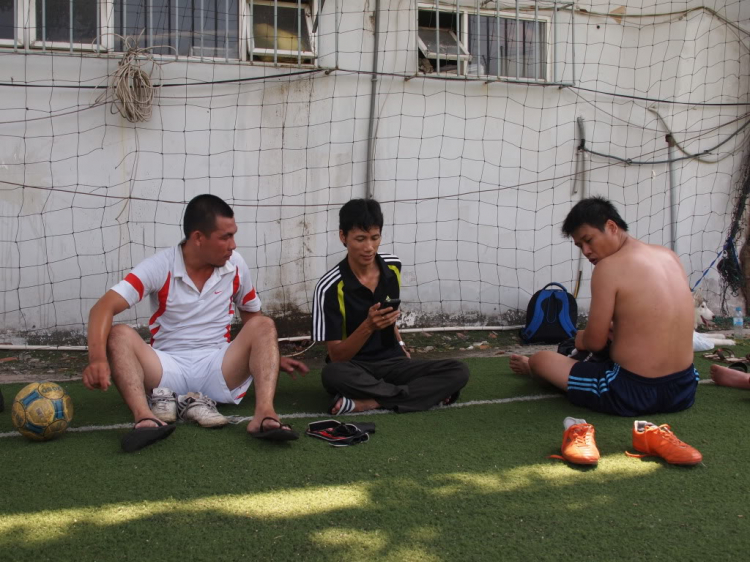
[(641, 301)]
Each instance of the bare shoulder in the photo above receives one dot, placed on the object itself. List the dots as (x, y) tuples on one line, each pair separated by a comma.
[(662, 252), (607, 275)]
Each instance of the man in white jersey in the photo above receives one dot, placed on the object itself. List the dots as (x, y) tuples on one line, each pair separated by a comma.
[(191, 364)]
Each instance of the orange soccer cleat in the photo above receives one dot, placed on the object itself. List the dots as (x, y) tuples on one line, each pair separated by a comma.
[(660, 441), (579, 446)]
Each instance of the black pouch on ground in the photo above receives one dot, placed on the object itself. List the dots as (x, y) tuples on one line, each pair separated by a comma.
[(568, 349)]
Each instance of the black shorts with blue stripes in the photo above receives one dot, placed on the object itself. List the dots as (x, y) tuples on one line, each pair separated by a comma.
[(609, 388)]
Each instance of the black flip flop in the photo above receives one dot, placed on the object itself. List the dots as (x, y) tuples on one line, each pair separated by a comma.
[(737, 366), (339, 434), (282, 433), (140, 437)]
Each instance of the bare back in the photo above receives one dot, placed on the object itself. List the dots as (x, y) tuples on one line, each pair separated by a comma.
[(653, 310)]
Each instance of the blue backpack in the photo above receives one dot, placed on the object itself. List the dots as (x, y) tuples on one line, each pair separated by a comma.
[(551, 316)]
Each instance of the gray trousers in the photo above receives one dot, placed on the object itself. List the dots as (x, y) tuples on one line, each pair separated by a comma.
[(400, 383)]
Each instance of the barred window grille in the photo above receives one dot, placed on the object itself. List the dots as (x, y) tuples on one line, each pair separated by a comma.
[(260, 30), (281, 31), (455, 39)]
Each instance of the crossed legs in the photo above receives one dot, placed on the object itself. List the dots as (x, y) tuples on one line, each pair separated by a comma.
[(405, 385)]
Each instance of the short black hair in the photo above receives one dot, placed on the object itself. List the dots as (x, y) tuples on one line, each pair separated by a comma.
[(594, 211), (360, 213), (201, 213)]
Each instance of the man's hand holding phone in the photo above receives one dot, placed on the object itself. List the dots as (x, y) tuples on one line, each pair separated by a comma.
[(384, 314)]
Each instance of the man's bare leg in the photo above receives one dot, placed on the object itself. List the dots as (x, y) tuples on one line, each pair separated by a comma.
[(360, 405), (725, 376), (135, 369), (548, 365), (255, 351)]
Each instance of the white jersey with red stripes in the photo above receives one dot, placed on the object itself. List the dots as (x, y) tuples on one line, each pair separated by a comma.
[(185, 318)]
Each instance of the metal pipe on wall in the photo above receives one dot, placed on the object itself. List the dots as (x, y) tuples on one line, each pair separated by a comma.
[(369, 188), (672, 193)]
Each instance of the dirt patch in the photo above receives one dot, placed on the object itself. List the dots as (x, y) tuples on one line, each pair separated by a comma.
[(34, 366)]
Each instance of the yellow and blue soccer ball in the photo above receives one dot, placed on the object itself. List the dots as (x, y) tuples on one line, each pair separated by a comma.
[(42, 411)]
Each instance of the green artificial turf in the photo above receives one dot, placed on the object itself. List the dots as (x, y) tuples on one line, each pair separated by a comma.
[(470, 483)]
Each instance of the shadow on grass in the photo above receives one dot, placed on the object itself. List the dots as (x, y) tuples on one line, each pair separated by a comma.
[(456, 484), (523, 512), (465, 484)]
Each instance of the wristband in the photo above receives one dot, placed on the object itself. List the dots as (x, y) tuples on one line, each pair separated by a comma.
[(401, 343)]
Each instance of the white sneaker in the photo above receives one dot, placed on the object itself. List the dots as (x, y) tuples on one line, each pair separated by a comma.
[(163, 404), (199, 408)]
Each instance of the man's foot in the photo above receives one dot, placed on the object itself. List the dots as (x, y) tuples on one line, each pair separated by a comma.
[(361, 405), (163, 404), (660, 441), (144, 433), (724, 376), (520, 364), (271, 429), (579, 446), (452, 399), (199, 408)]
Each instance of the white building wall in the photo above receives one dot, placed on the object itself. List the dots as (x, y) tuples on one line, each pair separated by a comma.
[(475, 178)]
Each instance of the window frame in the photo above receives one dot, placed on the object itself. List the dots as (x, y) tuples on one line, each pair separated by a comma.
[(308, 8), (467, 12), (18, 28), (237, 55), (465, 55), (31, 30), (27, 35)]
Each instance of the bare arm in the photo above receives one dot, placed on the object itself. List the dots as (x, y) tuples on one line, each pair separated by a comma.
[(97, 373), (344, 350), (603, 293), (245, 316), (398, 338)]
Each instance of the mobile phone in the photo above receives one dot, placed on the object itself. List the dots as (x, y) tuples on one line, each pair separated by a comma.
[(393, 303)]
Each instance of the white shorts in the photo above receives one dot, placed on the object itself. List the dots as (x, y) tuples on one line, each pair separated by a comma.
[(200, 371)]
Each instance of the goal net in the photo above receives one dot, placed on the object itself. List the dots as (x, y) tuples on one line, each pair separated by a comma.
[(476, 124)]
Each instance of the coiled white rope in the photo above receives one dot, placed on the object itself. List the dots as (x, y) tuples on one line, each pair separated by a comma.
[(131, 89)]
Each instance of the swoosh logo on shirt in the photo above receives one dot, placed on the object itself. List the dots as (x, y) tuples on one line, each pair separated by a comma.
[(218, 292)]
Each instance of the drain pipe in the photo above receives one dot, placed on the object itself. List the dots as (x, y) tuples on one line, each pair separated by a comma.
[(580, 175), (369, 187), (672, 191)]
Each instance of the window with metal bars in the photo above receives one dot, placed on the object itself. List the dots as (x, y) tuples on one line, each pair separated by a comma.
[(262, 30), (50, 24), (457, 40), (194, 28), (8, 22), (281, 31)]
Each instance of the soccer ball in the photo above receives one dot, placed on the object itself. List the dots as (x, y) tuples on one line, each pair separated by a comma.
[(42, 411)]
